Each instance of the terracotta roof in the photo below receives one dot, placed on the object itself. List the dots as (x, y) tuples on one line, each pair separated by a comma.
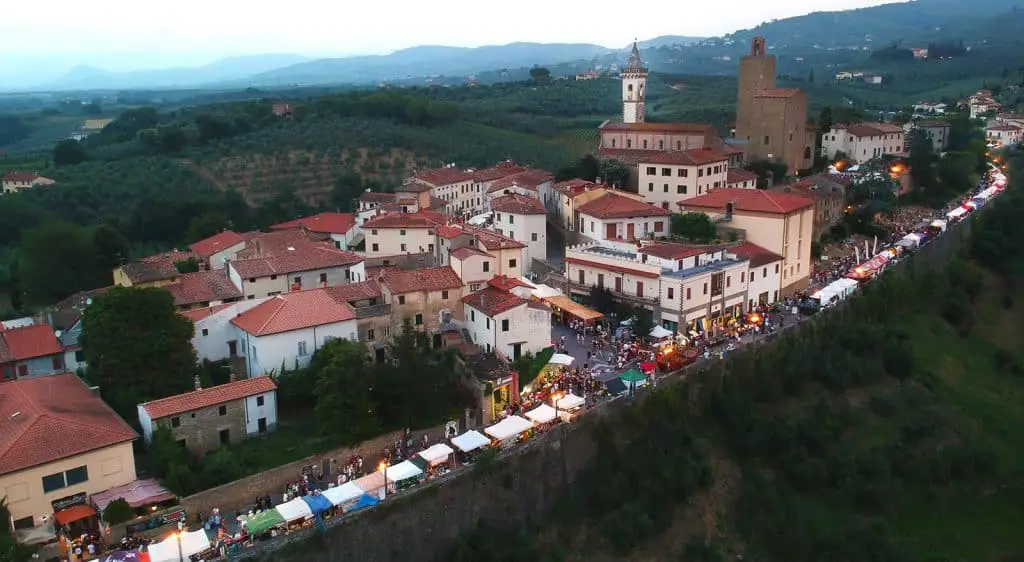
[(679, 128), (574, 187), (197, 314), (375, 197), (496, 173), (171, 256), (869, 129), (778, 93), (467, 251), (614, 206), (612, 268), (302, 258), (203, 286), (207, 397), (63, 315), (352, 292), (749, 200), (19, 344), (404, 220), (518, 204), (45, 419), (21, 176), (627, 155), (698, 157), (931, 123), (492, 240), (492, 301), (529, 179), (736, 175), (757, 255), (449, 231), (148, 271), (670, 251), (506, 283), (294, 311), (216, 243), (278, 242), (1005, 127), (413, 186), (329, 223), (442, 176), (437, 203), (431, 279)]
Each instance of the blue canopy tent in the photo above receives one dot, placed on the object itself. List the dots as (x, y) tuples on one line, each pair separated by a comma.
[(317, 503), (366, 501)]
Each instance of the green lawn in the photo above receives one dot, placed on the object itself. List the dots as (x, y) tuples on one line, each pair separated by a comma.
[(297, 437)]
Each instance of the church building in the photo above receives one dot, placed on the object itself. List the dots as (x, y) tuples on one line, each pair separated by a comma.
[(771, 121)]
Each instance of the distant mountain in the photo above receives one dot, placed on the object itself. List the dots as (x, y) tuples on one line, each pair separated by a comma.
[(427, 61), (229, 69), (878, 25), (668, 40)]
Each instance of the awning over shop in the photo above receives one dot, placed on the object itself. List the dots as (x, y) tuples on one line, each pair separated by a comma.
[(542, 414), (372, 482), (343, 494), (437, 453), (508, 427), (470, 441), (169, 550), (570, 401), (137, 494), (366, 500), (402, 471), (561, 359), (263, 521), (573, 308), (294, 510), (74, 513), (317, 503)]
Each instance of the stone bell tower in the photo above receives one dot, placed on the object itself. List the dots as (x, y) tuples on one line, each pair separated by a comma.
[(634, 85)]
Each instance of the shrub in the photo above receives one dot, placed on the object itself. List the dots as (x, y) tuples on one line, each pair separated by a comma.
[(118, 511)]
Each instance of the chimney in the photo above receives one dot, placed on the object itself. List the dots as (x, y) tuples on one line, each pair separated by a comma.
[(232, 377), (198, 385)]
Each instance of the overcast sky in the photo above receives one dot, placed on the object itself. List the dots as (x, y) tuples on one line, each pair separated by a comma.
[(123, 34)]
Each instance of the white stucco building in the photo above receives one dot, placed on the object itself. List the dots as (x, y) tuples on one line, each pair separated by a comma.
[(502, 322), (764, 276), (215, 337), (618, 217), (303, 265), (217, 250), (863, 141), (666, 178), (524, 219), (340, 227), (394, 234)]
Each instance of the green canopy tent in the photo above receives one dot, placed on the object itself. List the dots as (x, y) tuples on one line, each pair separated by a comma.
[(632, 376), (264, 521)]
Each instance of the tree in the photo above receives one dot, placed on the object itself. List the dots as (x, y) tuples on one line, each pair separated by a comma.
[(206, 225), (69, 152), (768, 172), (540, 75), (615, 173), (347, 188), (956, 168), (825, 119), (11, 550), (110, 246), (57, 259), (586, 167), (344, 400), (137, 346), (695, 227)]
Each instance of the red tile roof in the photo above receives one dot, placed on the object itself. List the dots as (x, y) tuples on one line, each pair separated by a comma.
[(529, 179), (147, 271), (21, 176), (869, 129), (493, 301), (294, 311), (614, 206), (492, 240), (197, 314), (628, 155), (304, 257), (749, 200), (612, 268), (737, 175), (400, 281), (699, 157), (328, 223), (266, 244), (37, 340), (207, 397), (203, 286), (678, 128), (778, 93), (518, 205), (497, 172), (353, 292), (217, 243), (442, 176), (506, 283), (467, 251), (574, 187), (421, 219), (670, 251), (757, 255), (1003, 127), (45, 419), (375, 197)]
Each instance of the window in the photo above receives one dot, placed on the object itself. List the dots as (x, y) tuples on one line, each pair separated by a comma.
[(376, 248), (764, 273), (56, 363), (488, 323), (665, 188), (302, 349), (645, 143), (776, 269), (650, 186), (430, 247), (511, 219), (259, 401), (65, 479), (474, 287), (401, 233), (175, 422), (222, 410), (401, 299), (651, 170), (688, 293), (225, 436), (323, 277), (679, 145), (717, 284), (370, 335), (504, 325), (444, 295), (80, 355), (661, 145), (658, 226), (511, 263), (766, 139), (533, 237), (700, 172), (728, 280), (582, 278), (419, 319), (681, 189), (472, 316), (705, 288), (666, 172), (629, 143), (273, 277), (252, 279), (374, 232), (743, 276), (671, 293), (402, 247), (487, 266)]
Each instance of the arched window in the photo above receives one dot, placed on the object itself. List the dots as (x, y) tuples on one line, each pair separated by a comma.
[(807, 153), (629, 143), (645, 144), (613, 143)]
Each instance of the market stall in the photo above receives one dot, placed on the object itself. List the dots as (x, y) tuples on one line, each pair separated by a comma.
[(403, 474), (344, 496), (564, 307), (633, 379), (294, 510), (561, 359), (437, 454), (470, 441), (139, 493), (508, 429), (317, 503), (542, 414), (372, 483), (263, 521), (569, 406), (179, 547), (364, 501), (660, 334)]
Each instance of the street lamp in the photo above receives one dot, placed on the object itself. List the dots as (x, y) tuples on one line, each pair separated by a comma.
[(383, 467), (181, 553)]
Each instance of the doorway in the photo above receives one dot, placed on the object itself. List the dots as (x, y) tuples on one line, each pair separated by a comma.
[(517, 350), (232, 348)]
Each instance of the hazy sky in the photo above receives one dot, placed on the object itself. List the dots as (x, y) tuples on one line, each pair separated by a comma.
[(123, 34)]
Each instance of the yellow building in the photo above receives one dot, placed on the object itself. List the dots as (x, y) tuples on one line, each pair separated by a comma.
[(152, 271), (59, 445)]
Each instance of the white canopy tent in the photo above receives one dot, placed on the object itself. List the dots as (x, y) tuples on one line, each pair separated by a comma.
[(436, 454), (343, 494), (561, 359), (569, 402), (470, 441), (402, 471), (542, 291), (508, 428), (542, 414), (956, 213), (167, 550), (659, 332), (294, 510)]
